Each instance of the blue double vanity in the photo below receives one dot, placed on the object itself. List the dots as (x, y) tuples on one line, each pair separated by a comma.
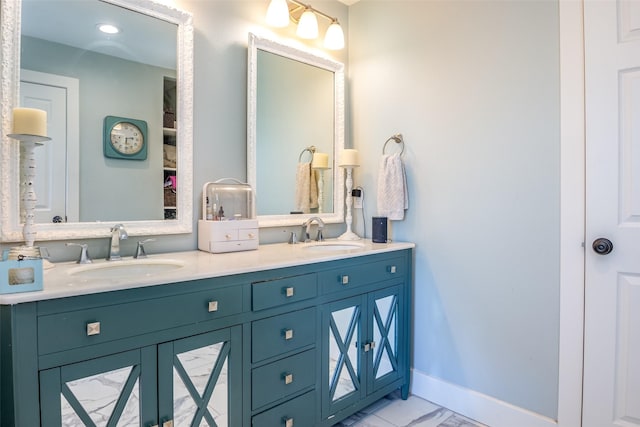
[(286, 335)]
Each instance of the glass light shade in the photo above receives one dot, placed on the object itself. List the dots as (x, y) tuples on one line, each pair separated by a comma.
[(308, 25), (334, 39), (278, 13)]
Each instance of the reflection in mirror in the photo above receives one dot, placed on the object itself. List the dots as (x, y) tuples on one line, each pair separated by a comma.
[(295, 110), (343, 351), (80, 77), (384, 333)]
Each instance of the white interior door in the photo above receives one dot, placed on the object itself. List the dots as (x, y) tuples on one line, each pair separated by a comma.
[(612, 289), (56, 182)]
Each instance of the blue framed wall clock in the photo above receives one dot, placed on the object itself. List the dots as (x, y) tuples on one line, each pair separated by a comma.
[(125, 138)]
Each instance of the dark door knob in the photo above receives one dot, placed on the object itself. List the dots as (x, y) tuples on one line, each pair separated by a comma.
[(602, 246)]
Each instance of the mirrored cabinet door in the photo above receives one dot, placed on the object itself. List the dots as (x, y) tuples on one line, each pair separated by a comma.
[(105, 391), (363, 347), (385, 319), (197, 378), (342, 363), (193, 381)]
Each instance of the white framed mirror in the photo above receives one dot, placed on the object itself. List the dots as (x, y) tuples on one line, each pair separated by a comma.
[(96, 190), (295, 105)]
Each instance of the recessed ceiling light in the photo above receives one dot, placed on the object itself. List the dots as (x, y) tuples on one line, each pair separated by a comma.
[(108, 28)]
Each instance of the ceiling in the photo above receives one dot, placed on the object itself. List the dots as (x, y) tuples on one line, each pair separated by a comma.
[(73, 23)]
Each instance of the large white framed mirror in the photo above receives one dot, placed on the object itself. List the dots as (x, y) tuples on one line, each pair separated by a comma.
[(145, 72), (295, 106)]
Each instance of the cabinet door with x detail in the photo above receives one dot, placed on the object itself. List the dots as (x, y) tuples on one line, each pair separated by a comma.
[(199, 380)]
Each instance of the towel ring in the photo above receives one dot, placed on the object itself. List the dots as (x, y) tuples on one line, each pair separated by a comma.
[(398, 139), (311, 150)]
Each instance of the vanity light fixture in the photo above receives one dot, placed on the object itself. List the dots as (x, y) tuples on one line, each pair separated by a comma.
[(279, 14), (108, 28), (308, 24)]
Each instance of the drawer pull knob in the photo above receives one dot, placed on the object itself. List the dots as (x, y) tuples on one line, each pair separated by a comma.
[(392, 269), (251, 235), (213, 306), (345, 279), (93, 328), (288, 334), (288, 422), (289, 291), (227, 236), (288, 378)]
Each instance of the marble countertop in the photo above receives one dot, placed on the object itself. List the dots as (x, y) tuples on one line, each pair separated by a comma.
[(59, 283)]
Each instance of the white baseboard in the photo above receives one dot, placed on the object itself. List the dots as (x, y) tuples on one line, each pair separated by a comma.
[(472, 404)]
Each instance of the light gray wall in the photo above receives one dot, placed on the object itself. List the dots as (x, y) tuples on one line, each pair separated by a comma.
[(474, 88)]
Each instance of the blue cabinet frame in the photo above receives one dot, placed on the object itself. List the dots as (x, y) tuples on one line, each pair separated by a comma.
[(148, 328)]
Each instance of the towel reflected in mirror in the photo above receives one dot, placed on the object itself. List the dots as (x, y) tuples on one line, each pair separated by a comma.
[(306, 188)]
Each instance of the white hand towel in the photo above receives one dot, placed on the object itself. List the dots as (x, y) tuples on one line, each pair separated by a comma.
[(306, 188), (393, 195), (303, 181)]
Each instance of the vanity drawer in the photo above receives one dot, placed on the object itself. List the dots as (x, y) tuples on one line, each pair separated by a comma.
[(283, 291), (281, 334), (282, 378), (357, 275), (73, 329), (298, 412)]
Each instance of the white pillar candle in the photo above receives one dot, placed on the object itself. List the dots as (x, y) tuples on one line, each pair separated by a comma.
[(320, 161), (29, 121), (349, 157)]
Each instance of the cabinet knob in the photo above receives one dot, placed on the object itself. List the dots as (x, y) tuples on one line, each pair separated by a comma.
[(288, 378), (93, 328), (369, 346), (288, 334), (344, 279), (392, 269), (213, 306), (288, 422), (289, 291)]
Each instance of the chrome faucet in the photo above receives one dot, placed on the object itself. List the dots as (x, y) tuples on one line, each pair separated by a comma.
[(306, 228), (117, 233)]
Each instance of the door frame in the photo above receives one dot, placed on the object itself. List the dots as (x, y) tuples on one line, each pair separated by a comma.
[(572, 216), (72, 179)]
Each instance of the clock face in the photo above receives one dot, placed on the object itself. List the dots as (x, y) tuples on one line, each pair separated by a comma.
[(126, 138)]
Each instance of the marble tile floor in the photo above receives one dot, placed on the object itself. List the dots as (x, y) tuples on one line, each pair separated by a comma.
[(392, 411)]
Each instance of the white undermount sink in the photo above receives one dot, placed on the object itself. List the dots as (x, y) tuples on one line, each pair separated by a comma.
[(126, 268), (333, 246)]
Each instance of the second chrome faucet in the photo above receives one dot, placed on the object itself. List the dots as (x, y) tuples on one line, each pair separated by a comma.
[(306, 228), (117, 233)]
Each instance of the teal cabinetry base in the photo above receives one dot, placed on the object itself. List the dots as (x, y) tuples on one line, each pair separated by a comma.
[(256, 349)]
